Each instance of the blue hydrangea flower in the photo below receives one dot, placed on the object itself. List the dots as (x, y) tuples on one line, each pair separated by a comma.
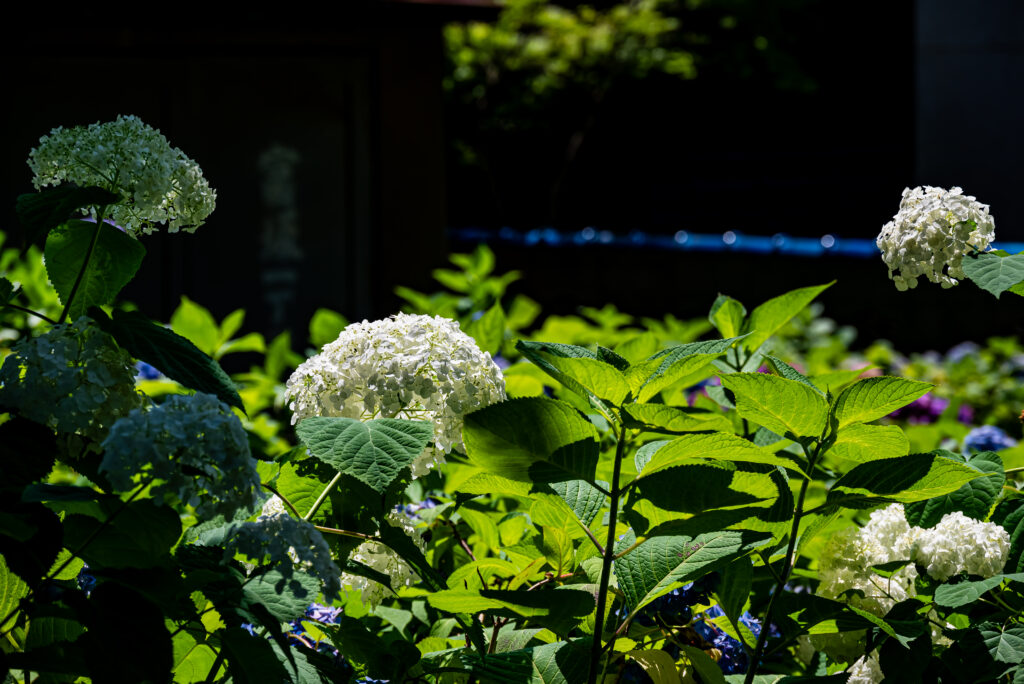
[(987, 438), (144, 371)]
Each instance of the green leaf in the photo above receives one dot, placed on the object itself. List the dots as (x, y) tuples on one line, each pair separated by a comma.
[(115, 259), (785, 370), (6, 291), (171, 354), (532, 439), (657, 565), (478, 574), (859, 443), (901, 480), (716, 447), (560, 662), (251, 342), (325, 326), (286, 597), (783, 406), (196, 324), (975, 499), (673, 365), (659, 665), (673, 488), (521, 602), (192, 660), (12, 590), (727, 316), (734, 589), (766, 319), (994, 273), (489, 329), (578, 369), (251, 659), (556, 545), (964, 593), (1006, 646), (140, 536), (583, 498), (379, 659), (1009, 515), (39, 212), (632, 350), (374, 452), (674, 418), (873, 398), (708, 669)]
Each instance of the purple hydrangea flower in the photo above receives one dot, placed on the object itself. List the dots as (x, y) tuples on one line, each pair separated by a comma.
[(965, 414), (922, 411)]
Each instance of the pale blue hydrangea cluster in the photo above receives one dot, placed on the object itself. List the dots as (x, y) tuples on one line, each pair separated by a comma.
[(73, 378), (158, 182), (287, 541), (931, 233), (194, 447), (406, 366)]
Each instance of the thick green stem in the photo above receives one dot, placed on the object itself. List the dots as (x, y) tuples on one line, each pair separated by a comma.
[(85, 264), (609, 555), (787, 568), (323, 497)]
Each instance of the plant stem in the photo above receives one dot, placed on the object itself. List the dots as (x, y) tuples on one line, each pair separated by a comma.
[(609, 554), (85, 263), (787, 568), (31, 312), (276, 493), (346, 533), (323, 497), (218, 661)]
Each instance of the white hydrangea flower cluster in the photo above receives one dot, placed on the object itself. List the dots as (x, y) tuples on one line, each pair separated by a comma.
[(381, 558), (930, 234), (73, 378), (281, 538), (194, 446), (160, 184), (407, 366), (960, 544)]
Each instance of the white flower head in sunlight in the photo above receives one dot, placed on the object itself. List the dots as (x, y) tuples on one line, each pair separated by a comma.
[(157, 182), (407, 366), (931, 233)]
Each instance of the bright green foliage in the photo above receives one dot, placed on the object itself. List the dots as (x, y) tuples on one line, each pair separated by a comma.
[(916, 477), (872, 398), (975, 499), (786, 407), (113, 262), (374, 452)]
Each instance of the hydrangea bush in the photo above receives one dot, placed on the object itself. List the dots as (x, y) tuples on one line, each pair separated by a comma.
[(429, 499)]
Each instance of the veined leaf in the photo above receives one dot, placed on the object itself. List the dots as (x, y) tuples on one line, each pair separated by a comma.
[(715, 447), (659, 665), (859, 443), (676, 419), (373, 451), (783, 406), (994, 273), (727, 316), (963, 593), (666, 367), (520, 602), (767, 318), (578, 368), (39, 212), (532, 439), (872, 398), (909, 478), (585, 500), (657, 565), (785, 370), (469, 576), (115, 259), (560, 662), (975, 499), (705, 485), (286, 597)]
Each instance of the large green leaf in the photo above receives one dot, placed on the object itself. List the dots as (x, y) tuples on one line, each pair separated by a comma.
[(489, 329), (39, 212), (560, 662), (975, 499), (694, 488), (727, 316), (963, 593), (766, 319), (114, 261), (674, 418), (520, 602), (1005, 645), (251, 659), (873, 398), (12, 590), (171, 354), (657, 565), (713, 446), (859, 443), (532, 439), (139, 536), (915, 477), (578, 369), (582, 497), (192, 660), (672, 365), (374, 452), (1009, 515), (286, 597), (783, 406), (994, 273), (376, 657)]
